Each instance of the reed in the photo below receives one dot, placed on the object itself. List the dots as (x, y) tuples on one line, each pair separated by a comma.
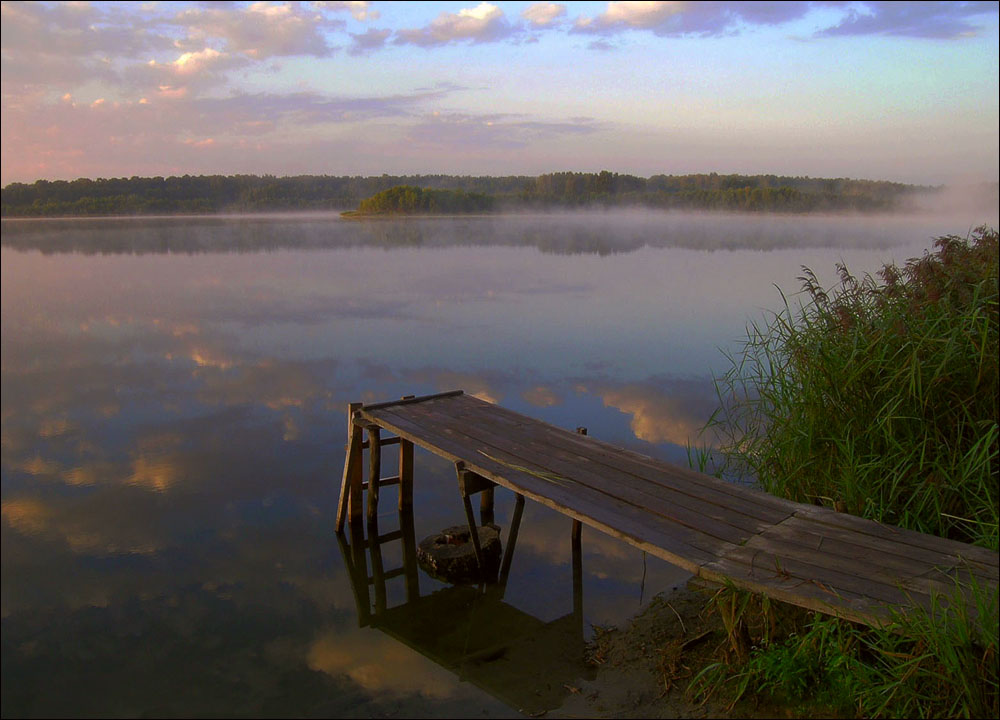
[(877, 397)]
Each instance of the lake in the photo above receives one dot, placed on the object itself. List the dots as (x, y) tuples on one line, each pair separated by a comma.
[(173, 423)]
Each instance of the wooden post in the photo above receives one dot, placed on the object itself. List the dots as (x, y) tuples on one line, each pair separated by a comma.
[(577, 543), (374, 470), (350, 499), (378, 569), (508, 555), (405, 472), (578, 574), (465, 479), (410, 566), (486, 507), (405, 475)]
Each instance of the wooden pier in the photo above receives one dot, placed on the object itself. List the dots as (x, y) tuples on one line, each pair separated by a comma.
[(805, 555)]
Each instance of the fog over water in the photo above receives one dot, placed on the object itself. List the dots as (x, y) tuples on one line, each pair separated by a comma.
[(173, 418)]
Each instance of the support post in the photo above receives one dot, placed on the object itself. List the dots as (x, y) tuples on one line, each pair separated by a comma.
[(405, 475), (410, 565), (486, 507), (508, 554), (350, 483), (468, 484), (374, 470), (577, 543), (378, 569)]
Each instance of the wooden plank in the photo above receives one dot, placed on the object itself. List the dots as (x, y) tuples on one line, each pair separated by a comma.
[(824, 537), (763, 565), (867, 569), (410, 400), (671, 543), (796, 591), (662, 500), (902, 567), (756, 503), (970, 553), (676, 514)]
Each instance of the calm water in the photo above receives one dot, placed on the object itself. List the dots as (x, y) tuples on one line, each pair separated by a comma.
[(173, 409)]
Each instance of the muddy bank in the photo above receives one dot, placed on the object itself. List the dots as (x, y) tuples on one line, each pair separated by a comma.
[(644, 667)]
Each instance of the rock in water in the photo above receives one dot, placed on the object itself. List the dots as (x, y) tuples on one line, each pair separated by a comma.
[(450, 556)]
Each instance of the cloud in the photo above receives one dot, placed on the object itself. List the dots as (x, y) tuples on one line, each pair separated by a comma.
[(261, 30), (677, 18), (86, 527), (496, 131), (46, 138), (68, 43), (366, 42), (940, 20), (541, 396), (671, 414), (379, 664), (483, 23), (359, 9), (73, 30), (543, 14)]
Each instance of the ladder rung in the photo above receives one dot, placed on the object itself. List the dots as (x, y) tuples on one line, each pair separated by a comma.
[(382, 482), (388, 441), (388, 575), (388, 537)]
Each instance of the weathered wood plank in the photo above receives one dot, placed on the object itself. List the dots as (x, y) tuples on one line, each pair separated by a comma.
[(871, 569), (675, 544), (756, 503), (662, 500), (963, 551), (410, 400), (941, 577), (740, 514), (825, 537)]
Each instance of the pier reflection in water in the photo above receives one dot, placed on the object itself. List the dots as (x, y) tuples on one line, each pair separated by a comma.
[(470, 630)]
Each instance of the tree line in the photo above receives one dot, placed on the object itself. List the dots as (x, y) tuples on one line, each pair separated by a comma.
[(199, 194)]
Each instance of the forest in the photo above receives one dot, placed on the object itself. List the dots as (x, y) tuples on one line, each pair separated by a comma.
[(203, 194)]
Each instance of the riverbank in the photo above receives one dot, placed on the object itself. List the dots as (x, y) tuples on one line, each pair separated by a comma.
[(645, 666)]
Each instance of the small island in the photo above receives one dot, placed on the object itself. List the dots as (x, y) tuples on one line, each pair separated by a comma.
[(411, 200)]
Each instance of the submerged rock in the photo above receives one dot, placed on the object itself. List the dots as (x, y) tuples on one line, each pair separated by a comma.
[(450, 556)]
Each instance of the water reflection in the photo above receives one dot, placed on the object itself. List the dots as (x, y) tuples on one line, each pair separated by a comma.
[(527, 663), (172, 428)]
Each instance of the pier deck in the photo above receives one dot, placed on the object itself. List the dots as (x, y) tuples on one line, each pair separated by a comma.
[(801, 554)]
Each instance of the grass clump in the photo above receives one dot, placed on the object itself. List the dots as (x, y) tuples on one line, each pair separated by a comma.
[(879, 398), (939, 662)]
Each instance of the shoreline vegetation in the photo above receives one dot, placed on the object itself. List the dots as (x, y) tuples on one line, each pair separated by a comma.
[(454, 194), (878, 398)]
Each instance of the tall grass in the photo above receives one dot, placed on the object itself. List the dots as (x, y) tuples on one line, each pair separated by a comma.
[(936, 662), (879, 397)]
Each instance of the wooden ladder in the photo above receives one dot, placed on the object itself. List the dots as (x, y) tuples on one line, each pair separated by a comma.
[(353, 485)]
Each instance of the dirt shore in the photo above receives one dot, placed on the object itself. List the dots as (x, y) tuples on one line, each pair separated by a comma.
[(644, 668)]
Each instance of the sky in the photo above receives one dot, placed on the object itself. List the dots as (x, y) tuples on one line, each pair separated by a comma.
[(879, 90)]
